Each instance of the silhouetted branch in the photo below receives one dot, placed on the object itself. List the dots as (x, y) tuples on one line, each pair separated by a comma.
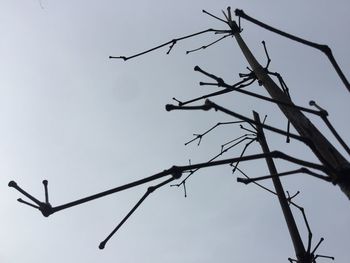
[(301, 170), (176, 173), (324, 48), (243, 83), (240, 141), (211, 105), (27, 203), (218, 18), (324, 117), (283, 85), (267, 55), (242, 153), (45, 183), (321, 112), (206, 46), (236, 87), (234, 140), (171, 43), (257, 184), (15, 185), (273, 154), (221, 83), (143, 198), (200, 136), (245, 137), (323, 256), (246, 129), (309, 254), (287, 213)]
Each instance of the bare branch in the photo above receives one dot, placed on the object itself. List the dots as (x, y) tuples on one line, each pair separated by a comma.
[(242, 153), (206, 12), (200, 136), (257, 184), (324, 48), (222, 83), (324, 117), (235, 86), (171, 43), (143, 198), (297, 171), (211, 105), (206, 46)]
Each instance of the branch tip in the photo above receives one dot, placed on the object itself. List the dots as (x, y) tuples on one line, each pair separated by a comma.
[(169, 107), (102, 245), (12, 184)]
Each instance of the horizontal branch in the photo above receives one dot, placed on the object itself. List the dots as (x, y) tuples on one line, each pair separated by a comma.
[(176, 173), (301, 170), (211, 105)]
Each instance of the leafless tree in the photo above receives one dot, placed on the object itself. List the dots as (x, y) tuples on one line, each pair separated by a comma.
[(332, 167)]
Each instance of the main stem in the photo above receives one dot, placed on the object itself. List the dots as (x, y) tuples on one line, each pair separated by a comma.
[(292, 227), (322, 148)]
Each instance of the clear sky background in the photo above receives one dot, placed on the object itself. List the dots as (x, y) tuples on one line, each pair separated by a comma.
[(85, 123)]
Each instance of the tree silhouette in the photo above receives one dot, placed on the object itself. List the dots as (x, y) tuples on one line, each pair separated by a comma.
[(333, 167)]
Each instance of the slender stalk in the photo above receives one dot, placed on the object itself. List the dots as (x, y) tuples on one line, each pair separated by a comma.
[(292, 227)]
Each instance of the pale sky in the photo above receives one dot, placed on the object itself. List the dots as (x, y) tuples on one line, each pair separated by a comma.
[(87, 124)]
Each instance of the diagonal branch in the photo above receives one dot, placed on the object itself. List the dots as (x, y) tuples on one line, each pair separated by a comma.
[(171, 43), (143, 198), (222, 83), (192, 171), (324, 117), (236, 87), (324, 48), (200, 136), (211, 105), (208, 45)]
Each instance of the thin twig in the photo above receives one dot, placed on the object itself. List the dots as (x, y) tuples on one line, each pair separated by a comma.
[(221, 83), (242, 154), (171, 43), (211, 105), (297, 171), (210, 44), (206, 12), (200, 136), (257, 184), (324, 117), (143, 198)]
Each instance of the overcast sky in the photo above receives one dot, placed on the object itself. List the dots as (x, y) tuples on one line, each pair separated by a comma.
[(86, 123)]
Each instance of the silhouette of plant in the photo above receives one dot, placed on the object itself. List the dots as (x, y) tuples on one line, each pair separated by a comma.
[(333, 167)]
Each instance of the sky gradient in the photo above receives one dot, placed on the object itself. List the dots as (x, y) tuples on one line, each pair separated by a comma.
[(87, 123)]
